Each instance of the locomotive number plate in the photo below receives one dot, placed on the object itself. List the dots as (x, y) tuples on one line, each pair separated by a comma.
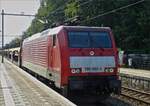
[(92, 69)]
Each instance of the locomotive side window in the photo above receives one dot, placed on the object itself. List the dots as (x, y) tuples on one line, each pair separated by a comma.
[(54, 40), (89, 40)]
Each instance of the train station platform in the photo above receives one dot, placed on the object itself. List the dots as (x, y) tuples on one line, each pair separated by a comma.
[(135, 72), (18, 88)]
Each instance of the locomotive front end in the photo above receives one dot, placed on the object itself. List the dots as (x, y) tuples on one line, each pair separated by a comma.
[(92, 61)]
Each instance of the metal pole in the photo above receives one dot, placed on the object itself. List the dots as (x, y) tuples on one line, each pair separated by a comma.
[(2, 36)]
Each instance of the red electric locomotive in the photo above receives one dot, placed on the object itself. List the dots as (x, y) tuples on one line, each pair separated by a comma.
[(74, 58)]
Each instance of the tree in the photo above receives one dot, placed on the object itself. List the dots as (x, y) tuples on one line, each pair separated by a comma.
[(130, 25), (14, 43)]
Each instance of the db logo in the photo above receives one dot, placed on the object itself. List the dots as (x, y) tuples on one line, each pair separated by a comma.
[(92, 53)]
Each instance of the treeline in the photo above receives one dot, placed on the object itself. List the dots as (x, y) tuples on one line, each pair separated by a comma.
[(130, 25)]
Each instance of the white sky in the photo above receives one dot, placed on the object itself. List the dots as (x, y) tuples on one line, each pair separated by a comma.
[(17, 25)]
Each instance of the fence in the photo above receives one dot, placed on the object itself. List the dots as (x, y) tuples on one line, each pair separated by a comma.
[(139, 61)]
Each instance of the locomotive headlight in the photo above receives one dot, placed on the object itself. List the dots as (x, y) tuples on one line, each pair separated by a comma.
[(109, 69), (75, 70)]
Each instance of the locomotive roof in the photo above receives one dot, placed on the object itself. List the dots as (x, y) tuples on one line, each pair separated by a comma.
[(85, 27), (50, 31), (56, 30)]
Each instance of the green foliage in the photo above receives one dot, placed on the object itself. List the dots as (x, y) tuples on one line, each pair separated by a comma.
[(130, 26), (14, 43), (71, 9)]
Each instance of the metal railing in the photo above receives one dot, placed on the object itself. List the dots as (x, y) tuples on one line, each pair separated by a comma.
[(136, 82)]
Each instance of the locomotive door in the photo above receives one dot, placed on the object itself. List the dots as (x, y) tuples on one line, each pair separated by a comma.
[(56, 61), (53, 50), (50, 47)]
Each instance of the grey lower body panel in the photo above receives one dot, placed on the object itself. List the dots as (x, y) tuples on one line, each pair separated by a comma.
[(44, 72)]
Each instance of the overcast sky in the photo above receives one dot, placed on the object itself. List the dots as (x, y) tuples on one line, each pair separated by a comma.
[(17, 25)]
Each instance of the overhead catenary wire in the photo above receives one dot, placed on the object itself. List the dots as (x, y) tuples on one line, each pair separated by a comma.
[(113, 11), (63, 7), (84, 3), (59, 8)]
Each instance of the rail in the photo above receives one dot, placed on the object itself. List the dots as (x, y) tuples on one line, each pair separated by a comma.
[(137, 95)]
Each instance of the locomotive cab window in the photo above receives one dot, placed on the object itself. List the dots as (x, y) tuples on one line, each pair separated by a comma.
[(89, 40), (79, 39), (54, 40)]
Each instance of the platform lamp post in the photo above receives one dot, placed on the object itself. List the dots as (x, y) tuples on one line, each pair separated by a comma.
[(2, 36), (1, 44)]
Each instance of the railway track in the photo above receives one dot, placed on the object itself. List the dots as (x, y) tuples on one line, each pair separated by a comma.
[(136, 96)]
